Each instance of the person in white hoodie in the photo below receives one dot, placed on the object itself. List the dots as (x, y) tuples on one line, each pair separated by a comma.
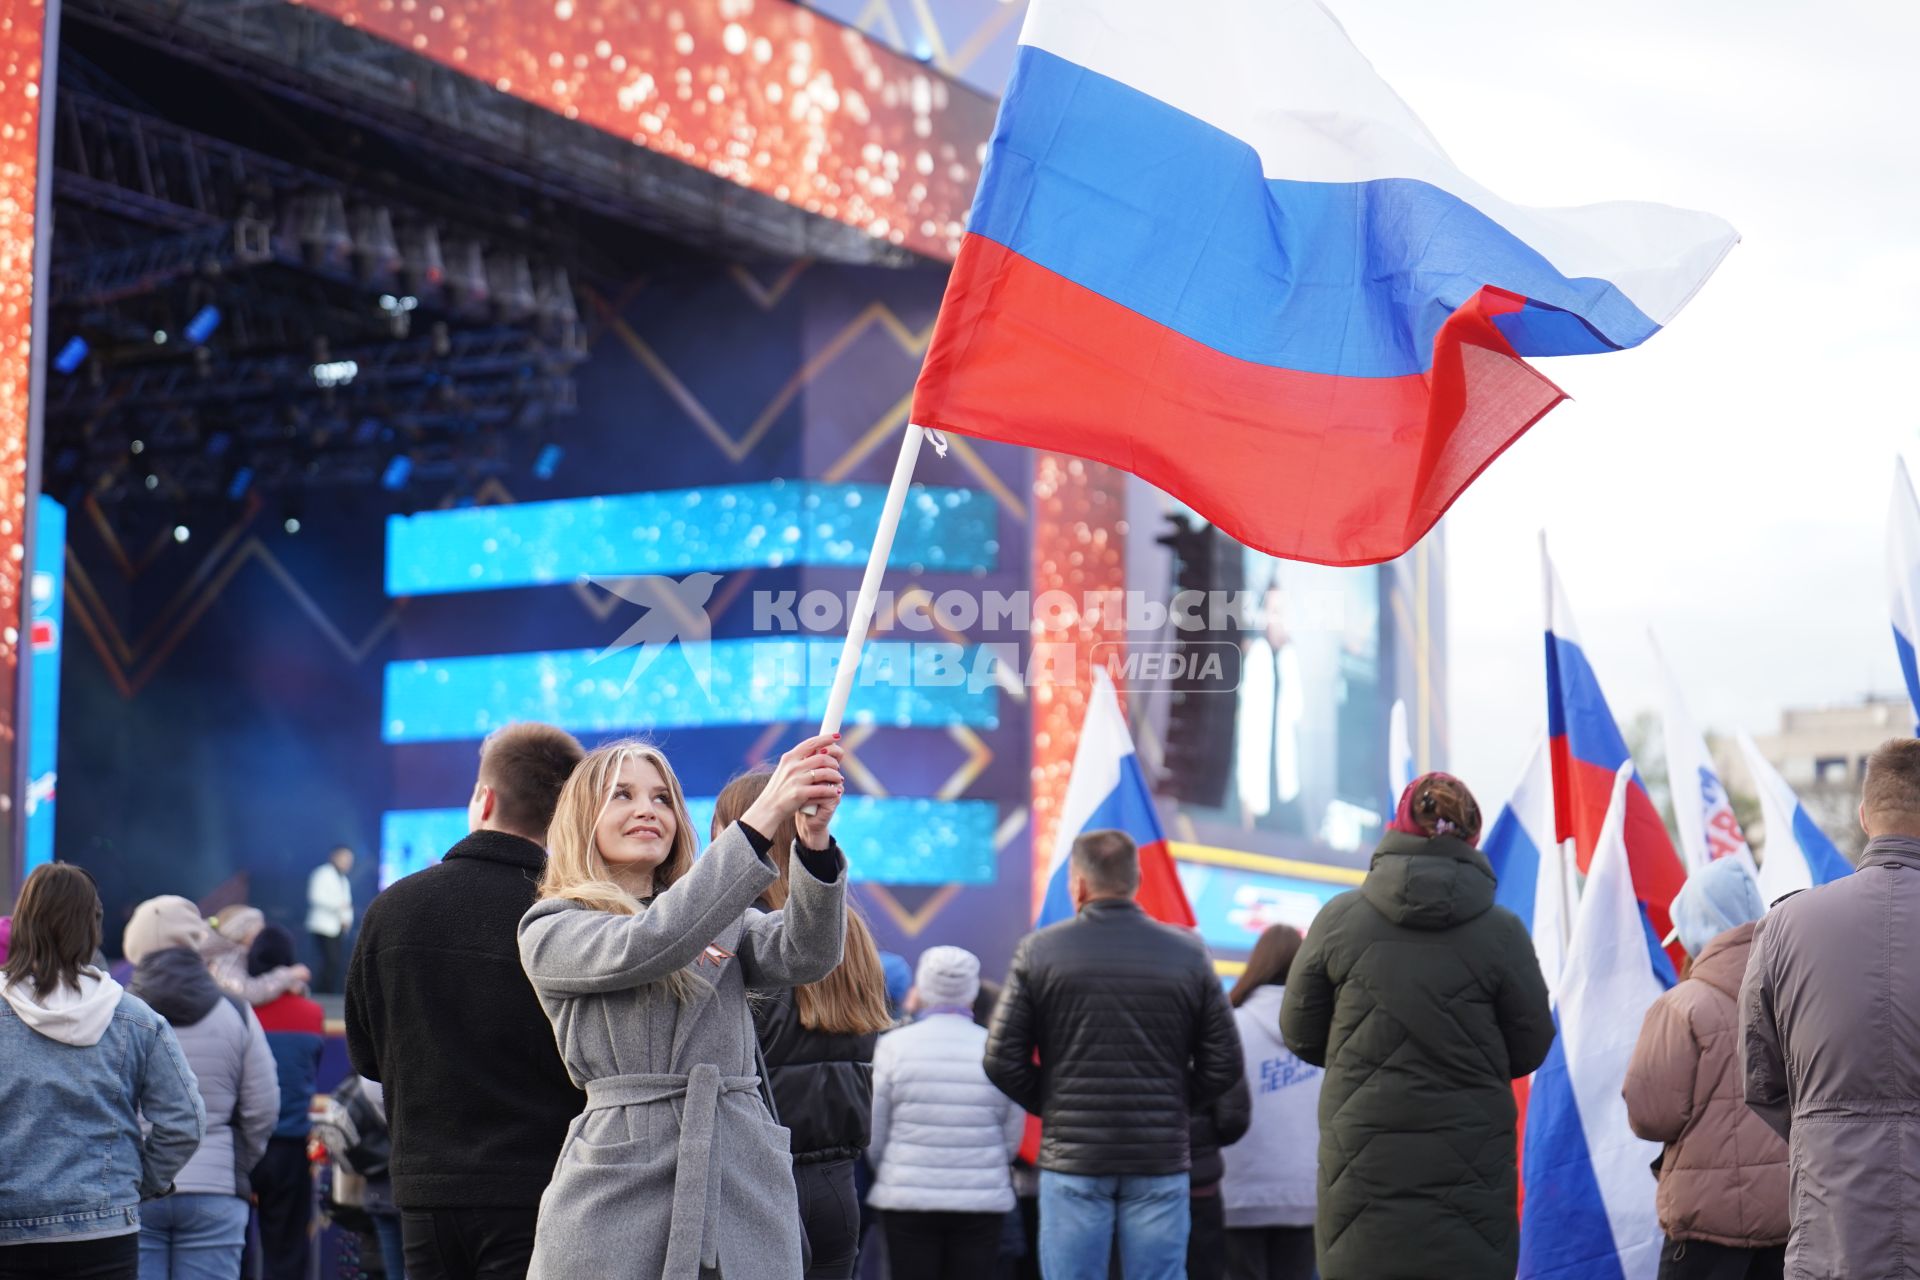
[(330, 916), (200, 1231), (1268, 1188), (84, 1062), (943, 1135)]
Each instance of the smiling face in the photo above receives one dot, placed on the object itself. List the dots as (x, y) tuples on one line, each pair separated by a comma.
[(636, 826)]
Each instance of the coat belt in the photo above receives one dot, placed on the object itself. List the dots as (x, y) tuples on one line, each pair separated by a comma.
[(692, 1242)]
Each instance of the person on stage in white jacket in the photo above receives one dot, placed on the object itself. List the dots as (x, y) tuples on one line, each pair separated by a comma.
[(943, 1135), (1268, 1188)]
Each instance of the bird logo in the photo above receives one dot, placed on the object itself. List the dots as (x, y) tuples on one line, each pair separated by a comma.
[(672, 610)]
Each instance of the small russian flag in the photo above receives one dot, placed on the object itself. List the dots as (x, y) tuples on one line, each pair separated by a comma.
[(1107, 792)]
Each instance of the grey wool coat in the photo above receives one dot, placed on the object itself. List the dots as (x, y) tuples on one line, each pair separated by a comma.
[(676, 1169)]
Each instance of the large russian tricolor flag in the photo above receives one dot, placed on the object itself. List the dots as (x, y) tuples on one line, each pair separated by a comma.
[(1587, 751), (1107, 792), (1211, 246), (1588, 1210)]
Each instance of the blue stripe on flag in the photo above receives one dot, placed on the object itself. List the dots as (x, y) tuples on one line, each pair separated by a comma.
[(1564, 1230), (1172, 218), (1129, 808), (1824, 862), (1516, 865), (1577, 709), (1910, 668)]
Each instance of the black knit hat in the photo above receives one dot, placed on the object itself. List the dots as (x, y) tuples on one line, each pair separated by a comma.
[(272, 948)]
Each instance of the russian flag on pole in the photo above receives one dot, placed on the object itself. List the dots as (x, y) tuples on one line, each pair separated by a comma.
[(1587, 752), (1903, 578), (1107, 792), (1209, 233), (1589, 1211), (1527, 865), (1799, 855)]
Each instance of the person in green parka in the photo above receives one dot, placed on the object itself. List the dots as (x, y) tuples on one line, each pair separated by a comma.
[(1424, 1002)]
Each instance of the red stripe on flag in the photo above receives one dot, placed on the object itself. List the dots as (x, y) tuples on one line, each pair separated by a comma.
[(1346, 470), (1657, 872)]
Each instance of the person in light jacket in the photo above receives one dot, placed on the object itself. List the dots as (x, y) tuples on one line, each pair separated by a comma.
[(943, 1135), (81, 1063), (1723, 1175), (199, 1231), (642, 957), (330, 915), (818, 1041), (1830, 1041), (1267, 1190)]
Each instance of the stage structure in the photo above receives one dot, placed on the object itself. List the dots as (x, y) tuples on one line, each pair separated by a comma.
[(419, 352)]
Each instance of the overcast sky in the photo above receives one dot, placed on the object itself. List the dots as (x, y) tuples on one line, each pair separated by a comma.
[(1726, 484)]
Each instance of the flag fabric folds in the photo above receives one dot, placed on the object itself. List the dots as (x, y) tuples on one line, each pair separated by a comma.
[(1701, 808), (1798, 853), (1588, 1212), (1588, 751), (1903, 579), (1212, 247), (1107, 791)]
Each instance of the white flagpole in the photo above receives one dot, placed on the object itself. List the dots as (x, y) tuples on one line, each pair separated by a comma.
[(862, 617)]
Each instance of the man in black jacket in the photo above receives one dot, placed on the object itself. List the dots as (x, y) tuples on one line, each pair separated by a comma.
[(1132, 1032), (441, 1013)]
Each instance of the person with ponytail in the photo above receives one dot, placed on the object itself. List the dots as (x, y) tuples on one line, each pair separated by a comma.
[(642, 957), (818, 1042), (1424, 1002)]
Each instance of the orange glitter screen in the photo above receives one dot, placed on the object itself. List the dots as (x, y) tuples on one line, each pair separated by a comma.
[(1079, 547), (760, 92), (22, 36)]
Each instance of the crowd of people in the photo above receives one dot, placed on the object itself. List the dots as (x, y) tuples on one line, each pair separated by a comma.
[(582, 1050)]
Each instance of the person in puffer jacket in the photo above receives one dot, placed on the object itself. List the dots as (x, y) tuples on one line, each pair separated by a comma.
[(1723, 1176), (82, 1063), (1424, 1002), (201, 1229), (943, 1135)]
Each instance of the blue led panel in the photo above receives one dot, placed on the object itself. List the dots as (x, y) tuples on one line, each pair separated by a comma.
[(676, 531), (1233, 907), (756, 680), (888, 839)]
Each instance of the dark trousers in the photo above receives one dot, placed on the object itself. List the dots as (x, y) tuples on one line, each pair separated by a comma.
[(1270, 1253), (110, 1258), (468, 1244), (1698, 1260), (331, 977), (829, 1217), (283, 1184), (941, 1246), (1206, 1237)]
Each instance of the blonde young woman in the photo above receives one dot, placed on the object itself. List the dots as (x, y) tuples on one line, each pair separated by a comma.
[(818, 1041), (642, 957)]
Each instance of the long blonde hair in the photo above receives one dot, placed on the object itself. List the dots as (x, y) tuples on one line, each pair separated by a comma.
[(575, 869), (852, 1000)]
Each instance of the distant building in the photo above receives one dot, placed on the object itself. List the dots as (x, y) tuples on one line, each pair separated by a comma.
[(1822, 753)]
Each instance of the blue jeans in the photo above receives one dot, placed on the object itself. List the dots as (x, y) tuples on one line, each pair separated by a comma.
[(393, 1254), (192, 1235), (1080, 1217)]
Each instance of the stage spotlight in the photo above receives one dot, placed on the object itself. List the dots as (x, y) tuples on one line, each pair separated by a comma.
[(71, 355), (181, 533), (159, 337), (201, 327), (137, 447), (395, 476), (152, 481), (291, 524), (237, 487), (547, 462)]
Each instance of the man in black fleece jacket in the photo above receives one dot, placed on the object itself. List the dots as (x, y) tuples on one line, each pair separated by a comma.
[(440, 1012)]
